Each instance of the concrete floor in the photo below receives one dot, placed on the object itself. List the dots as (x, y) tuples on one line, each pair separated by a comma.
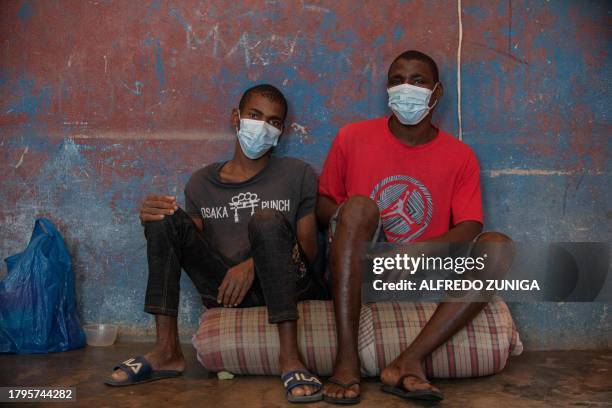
[(534, 379)]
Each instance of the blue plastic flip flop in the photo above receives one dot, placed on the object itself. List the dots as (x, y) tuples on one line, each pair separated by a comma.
[(139, 371), (298, 378)]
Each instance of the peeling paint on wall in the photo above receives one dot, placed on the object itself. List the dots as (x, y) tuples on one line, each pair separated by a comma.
[(105, 102)]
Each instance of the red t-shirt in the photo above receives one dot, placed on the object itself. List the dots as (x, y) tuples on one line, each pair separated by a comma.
[(421, 191)]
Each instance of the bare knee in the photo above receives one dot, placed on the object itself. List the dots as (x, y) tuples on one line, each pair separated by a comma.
[(358, 211), (498, 248)]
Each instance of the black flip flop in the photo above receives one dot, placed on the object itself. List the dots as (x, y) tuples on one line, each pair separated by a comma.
[(297, 378), (423, 395), (345, 386), (139, 371)]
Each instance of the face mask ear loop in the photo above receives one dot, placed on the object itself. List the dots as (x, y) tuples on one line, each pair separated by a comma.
[(432, 92), (282, 129)]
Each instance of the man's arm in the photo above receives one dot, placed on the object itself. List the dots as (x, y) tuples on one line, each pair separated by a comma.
[(332, 182), (465, 231), (156, 207), (326, 208), (307, 236)]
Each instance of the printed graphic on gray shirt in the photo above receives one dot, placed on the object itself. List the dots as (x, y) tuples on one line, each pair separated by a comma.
[(244, 201)]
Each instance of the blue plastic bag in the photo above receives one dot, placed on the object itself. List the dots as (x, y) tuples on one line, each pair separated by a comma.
[(37, 298)]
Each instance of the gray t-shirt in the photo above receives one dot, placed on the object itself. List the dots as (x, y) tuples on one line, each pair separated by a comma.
[(286, 184)]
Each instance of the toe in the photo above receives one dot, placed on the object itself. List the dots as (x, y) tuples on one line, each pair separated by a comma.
[(352, 392), (415, 384), (297, 392), (119, 375), (328, 390)]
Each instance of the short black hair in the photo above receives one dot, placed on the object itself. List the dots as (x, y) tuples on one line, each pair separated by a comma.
[(419, 56), (267, 91)]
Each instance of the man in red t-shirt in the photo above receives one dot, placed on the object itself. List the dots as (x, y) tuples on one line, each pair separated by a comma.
[(418, 183)]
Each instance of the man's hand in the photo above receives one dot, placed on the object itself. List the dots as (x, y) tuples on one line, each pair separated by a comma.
[(155, 208), (236, 284)]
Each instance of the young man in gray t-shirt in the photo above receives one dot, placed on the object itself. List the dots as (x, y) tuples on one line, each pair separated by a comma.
[(247, 237)]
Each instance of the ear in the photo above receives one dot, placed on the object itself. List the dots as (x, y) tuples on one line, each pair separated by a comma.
[(235, 119)]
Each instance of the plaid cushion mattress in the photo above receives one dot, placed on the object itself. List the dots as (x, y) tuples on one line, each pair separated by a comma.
[(242, 342)]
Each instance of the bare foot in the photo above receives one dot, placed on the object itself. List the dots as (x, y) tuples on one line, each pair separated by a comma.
[(344, 373), (160, 360), (416, 379), (293, 364)]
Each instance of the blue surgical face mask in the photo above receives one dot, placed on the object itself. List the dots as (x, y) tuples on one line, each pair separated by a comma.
[(256, 137), (410, 103)]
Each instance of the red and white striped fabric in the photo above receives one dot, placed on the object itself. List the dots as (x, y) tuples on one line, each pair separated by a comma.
[(242, 342)]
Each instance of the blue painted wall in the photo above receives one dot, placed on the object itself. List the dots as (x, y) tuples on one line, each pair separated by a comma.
[(104, 102)]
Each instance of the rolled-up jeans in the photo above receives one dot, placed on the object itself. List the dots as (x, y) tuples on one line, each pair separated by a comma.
[(282, 273)]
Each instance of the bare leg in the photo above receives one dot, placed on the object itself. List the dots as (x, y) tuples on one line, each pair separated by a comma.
[(289, 355), (448, 318), (167, 353), (357, 223)]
